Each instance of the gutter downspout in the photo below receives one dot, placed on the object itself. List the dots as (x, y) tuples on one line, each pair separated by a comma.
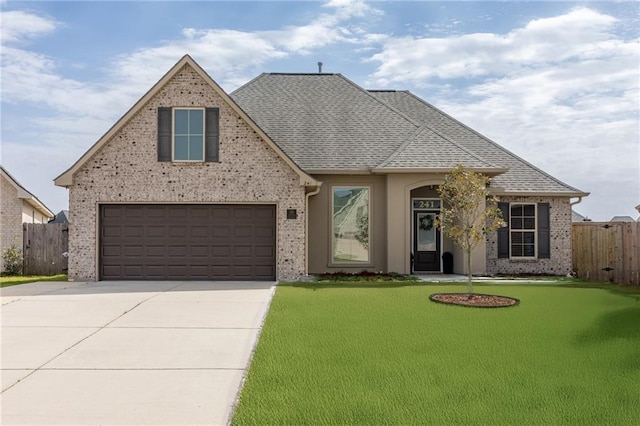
[(306, 231), (573, 203)]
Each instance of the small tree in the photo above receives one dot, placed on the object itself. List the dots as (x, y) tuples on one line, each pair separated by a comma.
[(462, 218)]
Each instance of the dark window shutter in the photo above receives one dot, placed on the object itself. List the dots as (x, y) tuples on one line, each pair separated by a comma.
[(164, 134), (544, 231), (503, 233), (211, 134)]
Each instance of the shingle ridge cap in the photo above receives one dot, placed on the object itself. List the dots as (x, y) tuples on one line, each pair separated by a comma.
[(462, 148), (253, 80), (402, 147), (386, 105), (387, 91), (304, 73), (506, 151), (232, 94), (426, 127)]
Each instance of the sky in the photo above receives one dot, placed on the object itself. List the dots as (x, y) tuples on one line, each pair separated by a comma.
[(556, 83)]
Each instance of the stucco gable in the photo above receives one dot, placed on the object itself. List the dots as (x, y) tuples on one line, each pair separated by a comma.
[(66, 178)]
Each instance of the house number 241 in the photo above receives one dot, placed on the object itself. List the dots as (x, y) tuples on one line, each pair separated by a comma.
[(426, 204)]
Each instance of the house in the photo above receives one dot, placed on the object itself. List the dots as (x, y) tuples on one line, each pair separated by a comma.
[(577, 217), (61, 217), (622, 219), (294, 174), (17, 206)]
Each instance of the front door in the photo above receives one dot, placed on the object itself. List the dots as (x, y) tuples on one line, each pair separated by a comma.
[(426, 242)]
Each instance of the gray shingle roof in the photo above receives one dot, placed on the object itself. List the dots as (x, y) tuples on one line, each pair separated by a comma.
[(325, 122), (427, 149), (521, 176), (61, 217)]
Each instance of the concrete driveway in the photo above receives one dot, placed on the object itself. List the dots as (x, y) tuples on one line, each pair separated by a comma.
[(127, 352)]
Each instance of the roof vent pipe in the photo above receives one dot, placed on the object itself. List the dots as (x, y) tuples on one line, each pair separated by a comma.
[(319, 67)]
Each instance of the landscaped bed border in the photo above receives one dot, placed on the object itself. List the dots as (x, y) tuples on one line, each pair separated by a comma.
[(457, 300)]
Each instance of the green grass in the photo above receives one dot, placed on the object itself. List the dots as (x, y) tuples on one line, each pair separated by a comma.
[(15, 280), (378, 354)]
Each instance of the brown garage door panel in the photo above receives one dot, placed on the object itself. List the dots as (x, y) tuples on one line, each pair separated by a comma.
[(187, 242)]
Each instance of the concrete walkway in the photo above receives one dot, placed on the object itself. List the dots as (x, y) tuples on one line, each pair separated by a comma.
[(448, 278), (157, 353)]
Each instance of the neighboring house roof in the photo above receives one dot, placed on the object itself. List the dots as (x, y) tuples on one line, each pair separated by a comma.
[(622, 219), (577, 217), (61, 217), (327, 123), (66, 178), (26, 195)]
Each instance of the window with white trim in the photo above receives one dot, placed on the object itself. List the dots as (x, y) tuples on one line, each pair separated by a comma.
[(350, 224), (522, 228)]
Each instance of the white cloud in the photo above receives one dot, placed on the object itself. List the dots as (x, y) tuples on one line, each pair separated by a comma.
[(234, 56), (79, 112), (33, 78), (224, 53), (18, 26), (562, 92), (579, 35), (351, 8), (231, 56)]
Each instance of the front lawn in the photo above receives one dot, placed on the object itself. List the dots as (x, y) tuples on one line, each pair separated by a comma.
[(15, 280), (378, 354)]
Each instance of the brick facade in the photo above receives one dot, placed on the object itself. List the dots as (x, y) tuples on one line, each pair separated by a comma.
[(560, 261), (126, 170), (10, 218)]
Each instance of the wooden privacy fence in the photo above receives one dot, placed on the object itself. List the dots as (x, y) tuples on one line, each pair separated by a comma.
[(607, 251), (45, 248)]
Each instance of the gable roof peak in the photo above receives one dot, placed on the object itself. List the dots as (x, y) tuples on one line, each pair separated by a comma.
[(66, 178), (24, 194)]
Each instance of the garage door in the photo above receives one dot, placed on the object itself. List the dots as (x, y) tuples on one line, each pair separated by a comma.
[(187, 242)]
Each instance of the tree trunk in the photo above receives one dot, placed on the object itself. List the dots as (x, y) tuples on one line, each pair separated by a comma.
[(469, 283)]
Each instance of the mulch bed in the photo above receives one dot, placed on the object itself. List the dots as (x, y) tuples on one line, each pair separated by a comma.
[(474, 300)]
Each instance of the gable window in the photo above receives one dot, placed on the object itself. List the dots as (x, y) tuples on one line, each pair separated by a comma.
[(188, 134), (527, 234), (350, 224)]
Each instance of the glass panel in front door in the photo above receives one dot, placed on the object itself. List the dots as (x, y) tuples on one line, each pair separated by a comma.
[(426, 232)]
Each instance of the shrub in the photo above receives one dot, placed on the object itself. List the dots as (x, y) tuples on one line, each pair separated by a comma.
[(364, 276), (12, 259)]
